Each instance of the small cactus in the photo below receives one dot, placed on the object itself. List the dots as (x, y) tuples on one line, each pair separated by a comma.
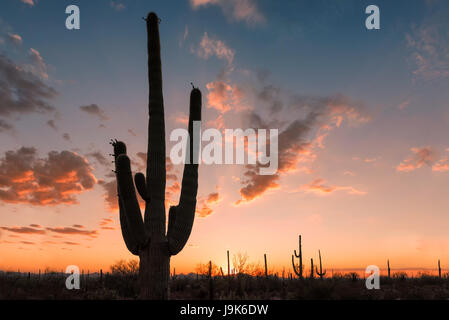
[(266, 268), (229, 267), (311, 269), (211, 282), (321, 274), (439, 269), (299, 255), (388, 265)]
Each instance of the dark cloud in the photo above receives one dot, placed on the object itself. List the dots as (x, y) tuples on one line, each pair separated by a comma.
[(105, 224), (100, 158), (95, 110), (67, 137), (5, 126), (52, 124), (22, 92), (71, 243), (24, 230), (57, 179), (74, 231)]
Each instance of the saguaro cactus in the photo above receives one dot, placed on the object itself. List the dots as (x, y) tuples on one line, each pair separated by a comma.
[(439, 269), (266, 268), (147, 237), (299, 255), (322, 273), (311, 269), (229, 268), (388, 265)]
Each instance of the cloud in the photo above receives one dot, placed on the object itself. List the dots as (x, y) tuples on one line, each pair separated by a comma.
[(95, 110), (100, 158), (38, 65), (29, 2), (184, 36), (238, 10), (24, 230), (319, 186), (105, 224), (73, 231), (420, 157), (404, 105), (442, 165), (319, 114), (117, 6), (203, 208), (214, 47), (15, 39), (52, 124), (5, 126), (22, 92), (223, 96), (429, 44), (67, 137), (27, 242), (57, 179)]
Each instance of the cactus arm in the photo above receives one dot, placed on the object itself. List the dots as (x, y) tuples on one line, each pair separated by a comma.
[(128, 199), (294, 267), (130, 242), (141, 186), (182, 216), (156, 171), (129, 237)]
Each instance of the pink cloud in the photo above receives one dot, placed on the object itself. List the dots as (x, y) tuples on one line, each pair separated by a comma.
[(420, 157), (239, 10)]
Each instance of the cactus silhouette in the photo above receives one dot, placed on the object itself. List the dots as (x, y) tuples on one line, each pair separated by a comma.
[(439, 269), (147, 237), (388, 265), (299, 255), (311, 269), (322, 273)]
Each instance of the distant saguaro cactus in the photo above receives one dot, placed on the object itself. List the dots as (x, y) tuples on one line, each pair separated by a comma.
[(311, 269), (299, 255), (266, 268), (147, 237), (439, 269), (322, 273), (388, 265)]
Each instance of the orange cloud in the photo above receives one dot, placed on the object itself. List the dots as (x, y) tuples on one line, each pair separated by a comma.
[(24, 178), (442, 165), (319, 186), (223, 96), (204, 204)]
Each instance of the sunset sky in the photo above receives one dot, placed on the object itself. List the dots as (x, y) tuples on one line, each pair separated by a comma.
[(363, 118)]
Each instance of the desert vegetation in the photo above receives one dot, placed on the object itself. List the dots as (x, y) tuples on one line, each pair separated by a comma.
[(246, 281)]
